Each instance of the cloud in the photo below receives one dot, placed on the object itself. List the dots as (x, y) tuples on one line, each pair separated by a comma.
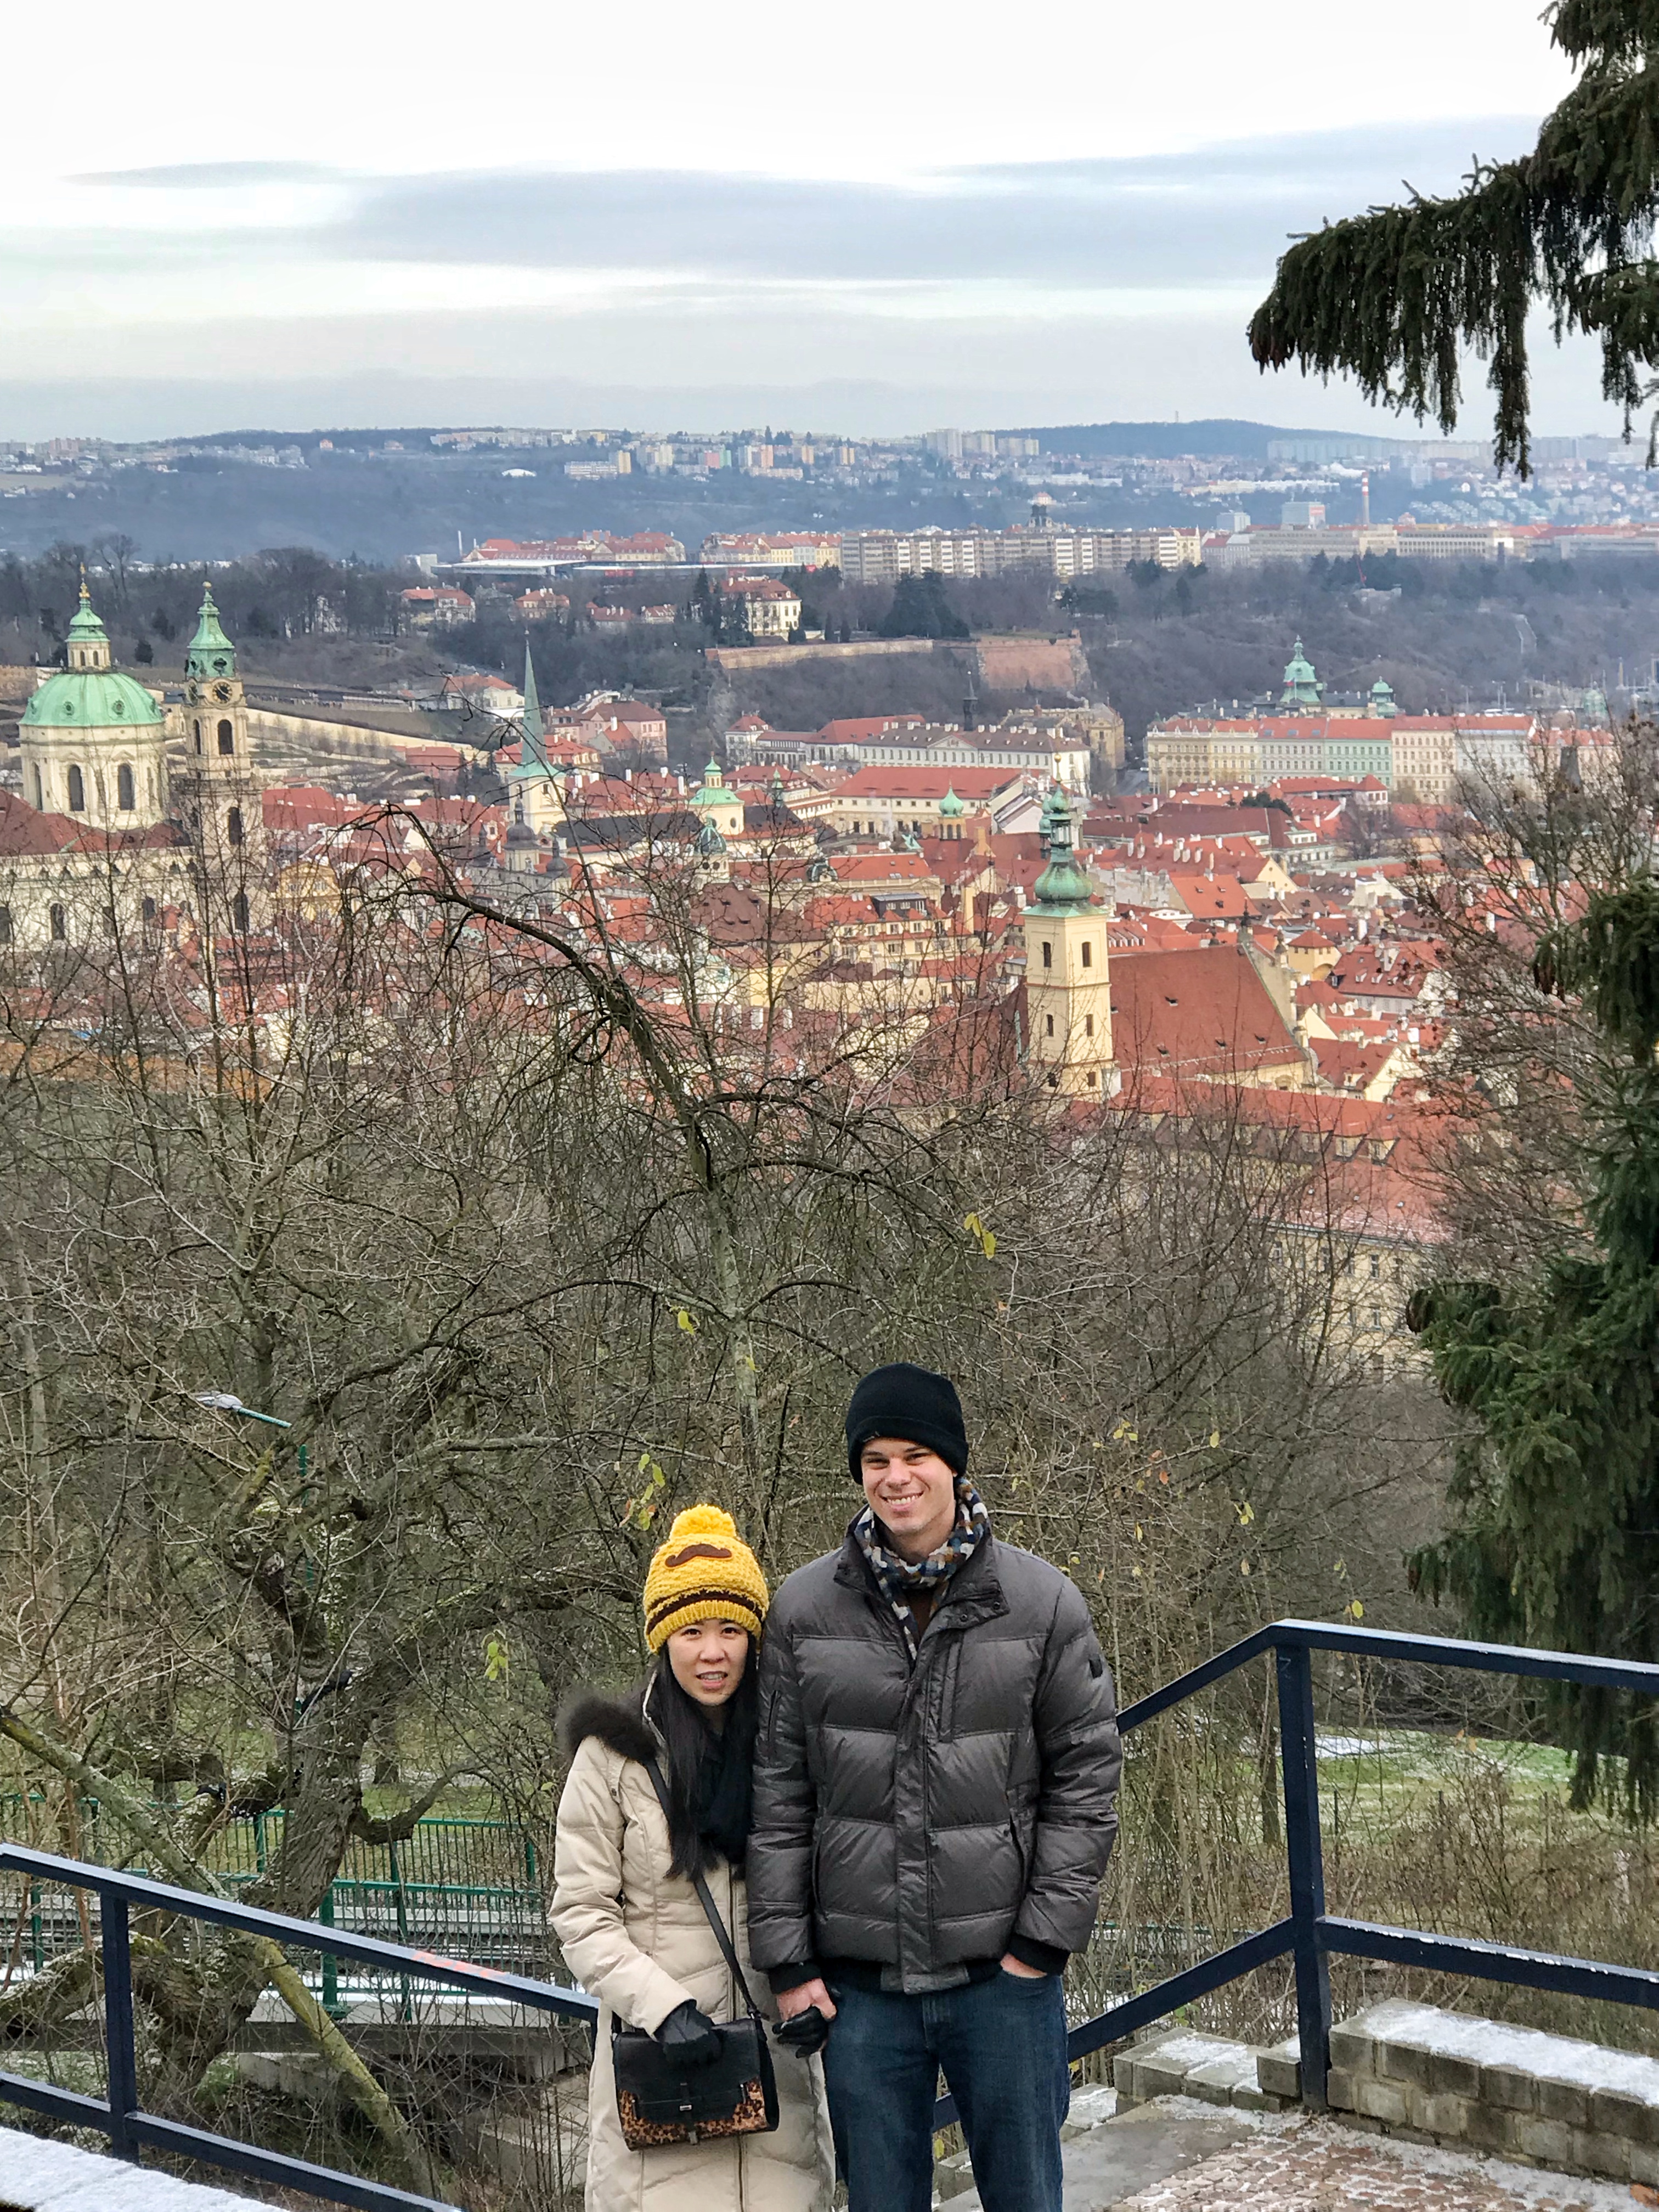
[(210, 176), (1167, 221), (1066, 290)]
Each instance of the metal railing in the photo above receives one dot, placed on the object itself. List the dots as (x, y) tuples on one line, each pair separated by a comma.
[(119, 2115), (1309, 1936), (457, 1884)]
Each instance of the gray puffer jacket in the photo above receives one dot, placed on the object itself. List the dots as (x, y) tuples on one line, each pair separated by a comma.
[(922, 1817)]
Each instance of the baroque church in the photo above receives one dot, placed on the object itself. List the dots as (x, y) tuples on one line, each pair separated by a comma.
[(106, 833)]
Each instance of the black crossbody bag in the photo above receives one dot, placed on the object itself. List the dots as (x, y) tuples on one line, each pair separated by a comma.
[(660, 2099)]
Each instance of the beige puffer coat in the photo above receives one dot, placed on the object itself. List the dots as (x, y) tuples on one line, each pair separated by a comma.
[(636, 1938)]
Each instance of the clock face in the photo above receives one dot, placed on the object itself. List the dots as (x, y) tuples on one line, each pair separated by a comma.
[(222, 691)]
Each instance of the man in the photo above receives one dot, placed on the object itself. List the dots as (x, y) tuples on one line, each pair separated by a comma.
[(935, 1801)]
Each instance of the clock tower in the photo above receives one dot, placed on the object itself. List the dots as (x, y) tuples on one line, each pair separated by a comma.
[(225, 811), (216, 708)]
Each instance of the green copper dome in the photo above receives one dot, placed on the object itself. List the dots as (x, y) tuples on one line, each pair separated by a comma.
[(210, 652), (91, 699), (1301, 686), (714, 790), (1063, 887), (94, 698), (951, 807)]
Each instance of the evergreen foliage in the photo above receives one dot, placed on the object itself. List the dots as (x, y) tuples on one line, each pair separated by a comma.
[(921, 609), (1391, 296), (1556, 1534)]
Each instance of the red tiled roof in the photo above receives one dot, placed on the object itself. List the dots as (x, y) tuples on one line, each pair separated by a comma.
[(879, 782), (1195, 1013)]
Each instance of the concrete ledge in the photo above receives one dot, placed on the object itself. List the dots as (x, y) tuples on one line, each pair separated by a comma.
[(1427, 2075), (56, 2176)]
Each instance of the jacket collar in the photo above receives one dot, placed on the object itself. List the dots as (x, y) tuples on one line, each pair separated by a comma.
[(972, 1594)]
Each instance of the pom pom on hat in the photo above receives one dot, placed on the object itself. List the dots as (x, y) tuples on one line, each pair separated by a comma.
[(705, 1571)]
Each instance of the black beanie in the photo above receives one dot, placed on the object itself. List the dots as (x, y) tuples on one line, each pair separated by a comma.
[(912, 1402)]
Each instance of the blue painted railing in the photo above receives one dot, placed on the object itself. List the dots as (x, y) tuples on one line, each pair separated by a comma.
[(1309, 1936), (119, 2116)]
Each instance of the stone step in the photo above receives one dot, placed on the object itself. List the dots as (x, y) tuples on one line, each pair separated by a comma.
[(1089, 2109), (1182, 2062), (1546, 2101)]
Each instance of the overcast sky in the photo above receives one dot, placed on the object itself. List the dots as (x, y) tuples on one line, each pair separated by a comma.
[(880, 218)]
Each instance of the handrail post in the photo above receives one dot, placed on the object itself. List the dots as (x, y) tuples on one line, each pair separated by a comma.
[(123, 2067), (1307, 1866)]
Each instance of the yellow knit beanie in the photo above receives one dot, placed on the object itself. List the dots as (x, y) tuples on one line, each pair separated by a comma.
[(705, 1571)]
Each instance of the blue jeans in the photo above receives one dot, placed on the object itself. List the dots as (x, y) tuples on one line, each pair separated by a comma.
[(1002, 2045)]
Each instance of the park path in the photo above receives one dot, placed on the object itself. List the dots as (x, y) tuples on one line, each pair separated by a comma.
[(1175, 2155), (1321, 2165)]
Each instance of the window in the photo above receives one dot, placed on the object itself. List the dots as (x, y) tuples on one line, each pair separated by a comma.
[(1088, 1025), (77, 790), (40, 801), (1047, 954), (196, 731), (59, 926), (125, 798), (234, 825), (1376, 1268), (5, 925), (149, 909), (227, 739), (1088, 955), (1092, 1079), (239, 911), (1047, 1025)]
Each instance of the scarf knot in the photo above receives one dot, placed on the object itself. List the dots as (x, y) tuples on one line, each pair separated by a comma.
[(899, 1580)]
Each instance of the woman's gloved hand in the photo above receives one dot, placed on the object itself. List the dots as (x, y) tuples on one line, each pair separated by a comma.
[(805, 2034), (689, 2036)]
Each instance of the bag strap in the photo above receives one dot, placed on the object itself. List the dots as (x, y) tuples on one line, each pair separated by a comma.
[(705, 1899)]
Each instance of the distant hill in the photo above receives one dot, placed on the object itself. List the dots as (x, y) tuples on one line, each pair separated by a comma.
[(1162, 441)]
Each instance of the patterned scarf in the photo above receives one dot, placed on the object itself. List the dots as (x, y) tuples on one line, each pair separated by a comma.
[(897, 1578)]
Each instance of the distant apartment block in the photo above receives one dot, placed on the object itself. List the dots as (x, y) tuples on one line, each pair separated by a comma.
[(882, 557)]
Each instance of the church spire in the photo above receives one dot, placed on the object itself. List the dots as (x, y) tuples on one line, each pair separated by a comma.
[(210, 653), (533, 752), (1063, 887)]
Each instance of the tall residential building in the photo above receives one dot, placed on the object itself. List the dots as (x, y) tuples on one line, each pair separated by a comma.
[(882, 557)]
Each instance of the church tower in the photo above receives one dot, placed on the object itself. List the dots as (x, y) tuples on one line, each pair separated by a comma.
[(1068, 998), (92, 739), (224, 809)]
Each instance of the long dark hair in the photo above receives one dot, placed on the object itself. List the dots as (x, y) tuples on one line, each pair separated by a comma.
[(686, 1734)]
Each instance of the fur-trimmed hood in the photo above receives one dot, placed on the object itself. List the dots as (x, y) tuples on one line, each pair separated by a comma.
[(618, 1719)]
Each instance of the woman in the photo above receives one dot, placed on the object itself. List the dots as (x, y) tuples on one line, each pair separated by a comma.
[(624, 1906)]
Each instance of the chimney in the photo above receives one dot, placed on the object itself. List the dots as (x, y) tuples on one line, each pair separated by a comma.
[(1365, 499)]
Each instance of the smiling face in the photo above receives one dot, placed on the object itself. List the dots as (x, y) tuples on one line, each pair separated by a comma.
[(709, 1659), (914, 1494)]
